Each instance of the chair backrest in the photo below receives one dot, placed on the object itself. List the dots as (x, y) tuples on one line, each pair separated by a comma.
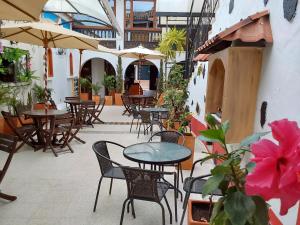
[(101, 150), (9, 119), (145, 116), (134, 111), (7, 144), (72, 98), (169, 136), (142, 184), (101, 105)]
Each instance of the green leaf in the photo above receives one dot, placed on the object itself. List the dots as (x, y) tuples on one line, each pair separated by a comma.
[(222, 169), (202, 138), (239, 208), (225, 126), (251, 139), (250, 166), (214, 135), (220, 219), (217, 208), (211, 121), (212, 184), (261, 212)]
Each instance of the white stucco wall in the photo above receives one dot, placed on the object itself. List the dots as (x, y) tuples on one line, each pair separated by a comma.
[(279, 84)]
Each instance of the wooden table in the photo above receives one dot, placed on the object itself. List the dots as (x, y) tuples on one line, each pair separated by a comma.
[(139, 99), (39, 117)]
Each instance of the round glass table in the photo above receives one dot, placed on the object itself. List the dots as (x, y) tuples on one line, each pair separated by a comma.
[(156, 110), (157, 153)]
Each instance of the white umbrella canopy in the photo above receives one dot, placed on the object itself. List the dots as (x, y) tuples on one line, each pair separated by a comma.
[(90, 8), (104, 49), (49, 35), (28, 10), (140, 52)]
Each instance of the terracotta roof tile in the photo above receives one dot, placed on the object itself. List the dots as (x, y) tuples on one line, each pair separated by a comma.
[(252, 29), (201, 57)]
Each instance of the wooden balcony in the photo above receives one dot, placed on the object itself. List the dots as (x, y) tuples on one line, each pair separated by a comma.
[(148, 38)]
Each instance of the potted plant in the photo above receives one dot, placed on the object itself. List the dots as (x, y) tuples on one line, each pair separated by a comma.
[(175, 95), (109, 83), (85, 85), (119, 83), (230, 176), (189, 139), (41, 98), (96, 93)]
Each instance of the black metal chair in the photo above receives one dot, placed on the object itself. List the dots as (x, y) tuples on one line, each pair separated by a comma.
[(194, 185), (109, 168), (8, 144), (171, 137), (147, 185), (135, 115), (145, 121)]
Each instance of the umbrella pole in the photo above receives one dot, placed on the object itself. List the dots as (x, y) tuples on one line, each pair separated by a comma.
[(139, 74), (79, 71), (46, 73)]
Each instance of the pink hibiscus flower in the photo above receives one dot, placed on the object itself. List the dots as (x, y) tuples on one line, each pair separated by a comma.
[(277, 170)]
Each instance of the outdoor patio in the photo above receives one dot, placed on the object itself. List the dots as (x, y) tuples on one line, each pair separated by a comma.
[(61, 190)]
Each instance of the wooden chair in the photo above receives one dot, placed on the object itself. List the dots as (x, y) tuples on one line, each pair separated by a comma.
[(8, 144), (77, 125), (126, 104), (25, 134), (97, 112), (148, 185), (88, 108), (60, 125)]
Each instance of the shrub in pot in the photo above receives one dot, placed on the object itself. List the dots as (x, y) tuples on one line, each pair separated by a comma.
[(96, 92), (40, 96), (85, 85), (119, 83), (109, 83)]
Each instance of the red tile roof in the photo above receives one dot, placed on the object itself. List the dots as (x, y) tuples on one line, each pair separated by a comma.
[(201, 57), (255, 28)]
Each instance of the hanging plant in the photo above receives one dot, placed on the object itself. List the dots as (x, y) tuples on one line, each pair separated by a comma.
[(200, 70)]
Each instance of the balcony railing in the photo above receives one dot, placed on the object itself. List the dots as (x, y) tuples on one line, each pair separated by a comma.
[(147, 38), (107, 35)]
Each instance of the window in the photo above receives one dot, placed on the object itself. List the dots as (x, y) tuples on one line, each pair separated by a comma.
[(140, 14), (71, 64), (50, 63)]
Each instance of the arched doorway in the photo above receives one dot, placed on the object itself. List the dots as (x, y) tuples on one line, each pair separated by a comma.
[(94, 70), (215, 88), (142, 72)]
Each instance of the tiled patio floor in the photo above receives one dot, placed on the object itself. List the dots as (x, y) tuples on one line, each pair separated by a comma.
[(61, 191)]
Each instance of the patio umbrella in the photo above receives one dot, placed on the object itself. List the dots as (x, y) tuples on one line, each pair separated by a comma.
[(48, 35), (21, 9), (140, 53)]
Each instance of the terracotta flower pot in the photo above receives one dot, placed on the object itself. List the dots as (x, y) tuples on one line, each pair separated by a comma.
[(84, 96), (108, 100), (118, 99), (189, 142), (41, 106), (197, 210), (96, 98)]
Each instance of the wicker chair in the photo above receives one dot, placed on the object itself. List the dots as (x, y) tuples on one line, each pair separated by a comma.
[(109, 168), (147, 185), (172, 137), (145, 121), (194, 185), (135, 115), (7, 144)]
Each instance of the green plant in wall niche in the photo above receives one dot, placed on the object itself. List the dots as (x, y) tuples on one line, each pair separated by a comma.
[(85, 84), (200, 70), (161, 80), (119, 80), (13, 54)]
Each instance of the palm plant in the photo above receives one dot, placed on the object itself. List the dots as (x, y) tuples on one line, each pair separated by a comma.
[(96, 88), (172, 42)]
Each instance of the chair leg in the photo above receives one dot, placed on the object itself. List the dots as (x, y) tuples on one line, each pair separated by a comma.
[(131, 125), (110, 187), (139, 130), (132, 208), (8, 197), (123, 209), (181, 173), (96, 200), (184, 207), (137, 123), (163, 213), (168, 206)]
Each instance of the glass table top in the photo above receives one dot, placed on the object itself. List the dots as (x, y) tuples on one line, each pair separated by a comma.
[(157, 153)]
